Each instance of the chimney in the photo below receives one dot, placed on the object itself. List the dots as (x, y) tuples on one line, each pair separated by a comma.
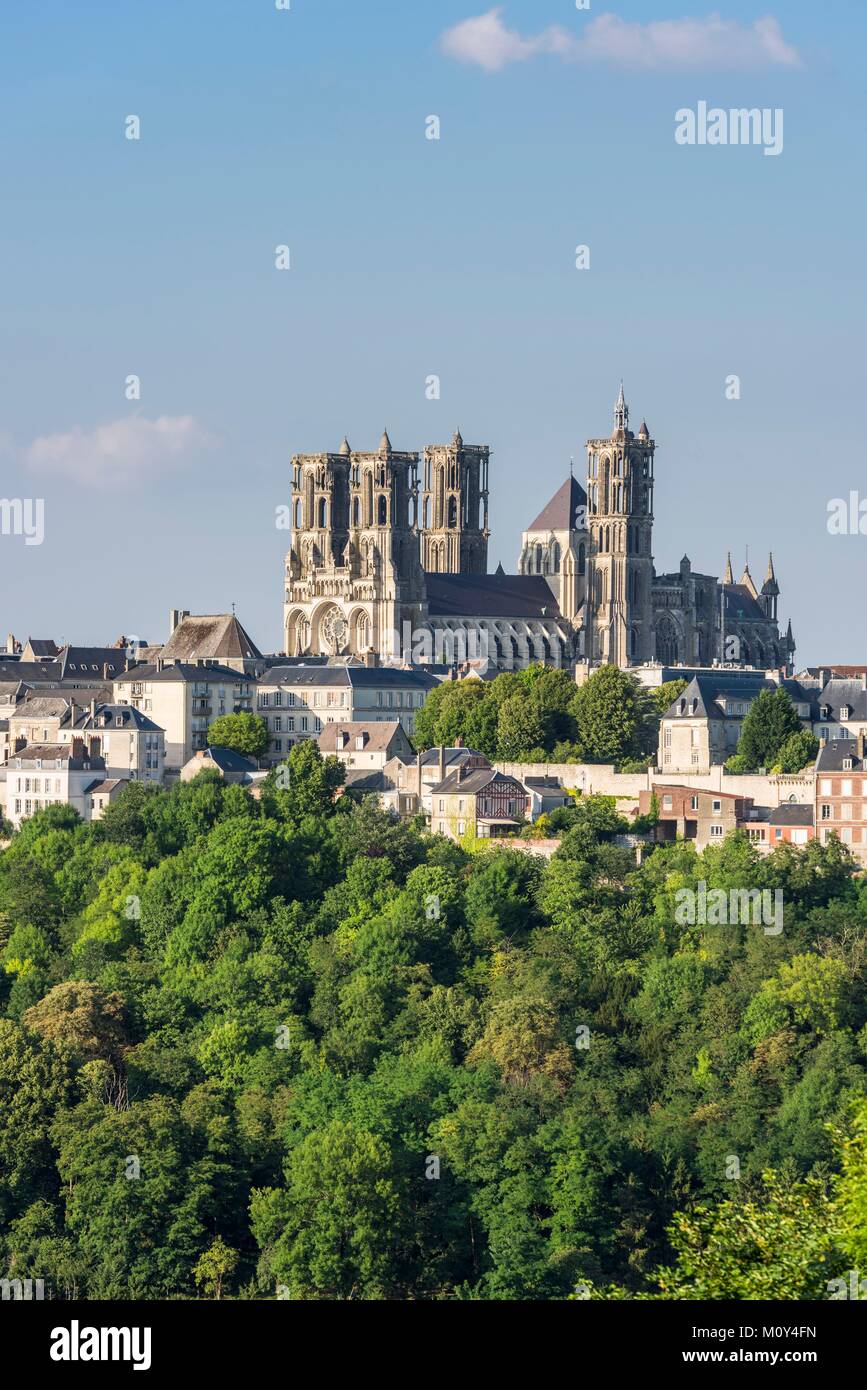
[(93, 711), (105, 670), (459, 741), (460, 772), (864, 680), (160, 663), (442, 753), (418, 773), (862, 745), (10, 643)]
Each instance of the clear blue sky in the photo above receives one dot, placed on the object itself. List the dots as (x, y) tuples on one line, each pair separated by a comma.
[(412, 257)]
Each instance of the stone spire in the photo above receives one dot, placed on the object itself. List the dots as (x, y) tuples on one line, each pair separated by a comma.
[(385, 443), (621, 412), (728, 577), (747, 580), (458, 440), (344, 448), (770, 585)]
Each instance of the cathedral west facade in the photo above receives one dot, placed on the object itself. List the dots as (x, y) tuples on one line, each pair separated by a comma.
[(389, 555)]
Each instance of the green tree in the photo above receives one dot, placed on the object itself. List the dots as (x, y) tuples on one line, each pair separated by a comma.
[(523, 730), (609, 711), (335, 1230), (244, 732), (304, 785), (769, 723), (798, 751), (217, 1264)]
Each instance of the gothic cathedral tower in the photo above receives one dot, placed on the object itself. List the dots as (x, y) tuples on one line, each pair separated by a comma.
[(353, 573), (454, 537), (619, 626)]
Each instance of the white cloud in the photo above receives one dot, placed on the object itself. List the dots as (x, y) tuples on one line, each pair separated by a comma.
[(663, 44), (120, 452), (487, 42)]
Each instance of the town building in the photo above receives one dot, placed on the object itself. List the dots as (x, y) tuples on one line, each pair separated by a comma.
[(43, 775), (298, 701), (690, 813), (841, 708), (478, 801), (233, 767), (703, 725), (366, 746), (841, 794), (131, 745), (183, 700)]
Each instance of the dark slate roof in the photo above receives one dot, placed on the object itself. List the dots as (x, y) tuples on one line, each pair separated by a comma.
[(545, 784), (790, 814), (107, 717), (709, 691), (45, 672), (839, 693), (833, 753), (741, 606), (182, 671), (560, 513), (42, 646), (227, 760), (358, 677), (490, 596), (359, 780), (472, 782), (89, 661), (98, 788)]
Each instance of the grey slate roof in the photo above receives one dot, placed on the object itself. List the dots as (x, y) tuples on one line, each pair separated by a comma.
[(490, 596), (356, 677), (709, 691), (791, 814), (89, 661), (838, 694), (107, 717), (560, 513), (183, 671), (833, 754), (227, 760), (472, 782)]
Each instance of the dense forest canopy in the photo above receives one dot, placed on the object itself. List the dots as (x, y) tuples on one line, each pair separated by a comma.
[(294, 1047)]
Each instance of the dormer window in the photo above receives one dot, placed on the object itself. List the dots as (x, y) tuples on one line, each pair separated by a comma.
[(844, 711), (847, 764), (682, 707)]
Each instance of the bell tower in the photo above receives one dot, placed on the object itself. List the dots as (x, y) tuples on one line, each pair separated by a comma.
[(620, 562), (454, 530)]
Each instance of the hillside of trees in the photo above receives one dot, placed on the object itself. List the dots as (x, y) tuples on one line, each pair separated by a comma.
[(290, 1047)]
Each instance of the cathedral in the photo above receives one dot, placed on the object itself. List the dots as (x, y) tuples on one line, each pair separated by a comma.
[(389, 557)]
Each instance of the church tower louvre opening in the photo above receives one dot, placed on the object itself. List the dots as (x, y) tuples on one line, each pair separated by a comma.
[(454, 522), (620, 480)]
